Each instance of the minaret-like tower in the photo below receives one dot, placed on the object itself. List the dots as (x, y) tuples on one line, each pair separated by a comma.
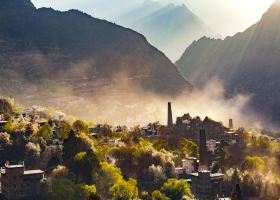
[(230, 124), (203, 155), (169, 116)]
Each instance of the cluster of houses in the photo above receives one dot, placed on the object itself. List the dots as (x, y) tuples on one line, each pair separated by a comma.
[(208, 134), (189, 128), (204, 184), (17, 182)]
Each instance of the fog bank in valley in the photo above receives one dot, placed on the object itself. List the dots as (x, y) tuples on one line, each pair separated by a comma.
[(121, 103)]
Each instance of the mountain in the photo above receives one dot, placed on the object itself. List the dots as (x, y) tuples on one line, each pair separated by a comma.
[(247, 63), (44, 52), (168, 27)]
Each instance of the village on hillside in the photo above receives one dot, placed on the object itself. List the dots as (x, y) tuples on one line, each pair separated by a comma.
[(46, 155)]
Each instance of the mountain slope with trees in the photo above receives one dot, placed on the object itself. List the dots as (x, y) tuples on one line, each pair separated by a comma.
[(247, 63), (46, 50)]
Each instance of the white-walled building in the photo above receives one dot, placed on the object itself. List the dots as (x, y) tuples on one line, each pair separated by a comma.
[(212, 145), (189, 165)]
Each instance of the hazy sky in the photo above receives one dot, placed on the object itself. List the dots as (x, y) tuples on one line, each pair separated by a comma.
[(223, 16)]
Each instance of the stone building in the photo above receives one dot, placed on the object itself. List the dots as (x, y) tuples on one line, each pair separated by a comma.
[(189, 166), (203, 154), (230, 124), (18, 183), (205, 185), (212, 145), (169, 116), (189, 127)]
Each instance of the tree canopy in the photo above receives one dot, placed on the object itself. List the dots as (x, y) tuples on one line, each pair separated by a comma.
[(6, 106), (176, 189), (46, 131)]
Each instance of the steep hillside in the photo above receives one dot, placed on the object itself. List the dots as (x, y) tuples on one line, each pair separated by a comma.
[(247, 62), (46, 50)]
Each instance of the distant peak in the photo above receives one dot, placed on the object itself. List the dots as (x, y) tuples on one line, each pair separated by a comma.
[(178, 7), (183, 6), (273, 12), (171, 5), (275, 4), (17, 4)]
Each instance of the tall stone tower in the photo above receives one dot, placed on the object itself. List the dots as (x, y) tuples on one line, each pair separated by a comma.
[(230, 124), (169, 116), (203, 155)]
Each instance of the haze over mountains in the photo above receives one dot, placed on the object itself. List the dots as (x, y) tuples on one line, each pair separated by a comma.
[(69, 58), (247, 63), (46, 54), (169, 27)]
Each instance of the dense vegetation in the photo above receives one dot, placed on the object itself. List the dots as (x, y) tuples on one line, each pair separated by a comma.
[(120, 163), (86, 167)]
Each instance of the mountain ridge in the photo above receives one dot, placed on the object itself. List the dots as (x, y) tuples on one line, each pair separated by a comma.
[(43, 49), (169, 27), (246, 63)]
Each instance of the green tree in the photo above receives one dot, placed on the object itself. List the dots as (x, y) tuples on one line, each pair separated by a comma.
[(188, 148), (253, 163), (157, 175), (62, 188), (32, 154), (8, 127), (176, 189), (124, 190), (110, 175), (5, 140), (75, 144), (160, 144), (157, 195), (90, 192), (6, 106), (112, 181), (80, 125), (126, 160), (145, 195), (46, 131), (120, 135), (83, 165), (113, 174), (63, 132)]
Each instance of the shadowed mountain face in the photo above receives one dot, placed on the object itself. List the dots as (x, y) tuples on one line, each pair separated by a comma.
[(247, 62), (43, 51), (169, 27)]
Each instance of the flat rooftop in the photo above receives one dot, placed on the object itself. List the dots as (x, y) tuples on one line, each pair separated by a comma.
[(19, 165), (14, 166), (230, 132), (214, 175), (27, 172), (36, 171)]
